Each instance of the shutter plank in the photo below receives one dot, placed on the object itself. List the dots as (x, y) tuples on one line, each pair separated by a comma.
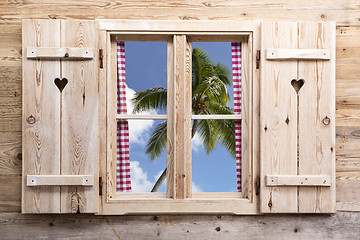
[(41, 99), (278, 144), (80, 154), (317, 101)]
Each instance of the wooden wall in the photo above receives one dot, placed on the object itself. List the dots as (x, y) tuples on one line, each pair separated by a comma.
[(344, 225)]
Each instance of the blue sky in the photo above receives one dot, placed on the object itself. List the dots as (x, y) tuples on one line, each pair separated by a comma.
[(146, 68)]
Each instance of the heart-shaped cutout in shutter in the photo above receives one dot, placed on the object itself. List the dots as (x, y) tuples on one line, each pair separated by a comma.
[(297, 84), (60, 83)]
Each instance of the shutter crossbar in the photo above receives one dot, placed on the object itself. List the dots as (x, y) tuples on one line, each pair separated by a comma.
[(298, 180), (304, 54), (60, 180), (58, 52)]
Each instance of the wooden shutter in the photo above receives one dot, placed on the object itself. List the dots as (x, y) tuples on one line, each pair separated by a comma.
[(60, 127), (297, 127)]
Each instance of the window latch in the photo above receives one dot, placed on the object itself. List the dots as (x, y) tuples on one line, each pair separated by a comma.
[(100, 186), (101, 57), (257, 186), (258, 59)]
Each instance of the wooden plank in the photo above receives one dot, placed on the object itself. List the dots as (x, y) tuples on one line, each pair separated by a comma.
[(347, 191), (278, 125), (10, 153), (220, 116), (298, 180), (61, 52), (141, 116), (344, 12), (41, 100), (202, 205), (80, 140), (179, 27), (111, 86), (10, 197), (60, 180), (181, 115), (103, 147), (187, 158), (302, 54), (343, 225), (316, 102), (171, 133)]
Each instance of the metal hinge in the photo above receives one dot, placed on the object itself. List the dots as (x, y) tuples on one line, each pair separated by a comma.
[(257, 186), (101, 57), (258, 59), (100, 186)]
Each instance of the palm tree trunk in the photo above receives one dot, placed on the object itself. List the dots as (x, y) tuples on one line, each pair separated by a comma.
[(160, 181), (162, 177)]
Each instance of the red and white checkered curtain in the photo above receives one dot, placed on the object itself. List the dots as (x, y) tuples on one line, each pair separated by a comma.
[(123, 181), (236, 67)]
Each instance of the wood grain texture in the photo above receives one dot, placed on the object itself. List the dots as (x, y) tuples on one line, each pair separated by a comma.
[(60, 180), (347, 72), (182, 113), (316, 102), (63, 53), (41, 101), (171, 134), (80, 146), (10, 153), (111, 124), (344, 12), (278, 114), (292, 54), (342, 226), (10, 196)]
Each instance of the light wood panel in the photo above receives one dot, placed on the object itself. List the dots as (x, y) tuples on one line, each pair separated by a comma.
[(80, 145), (298, 180), (292, 54), (317, 102), (278, 118), (181, 116), (41, 102), (343, 12), (60, 180), (111, 125), (63, 52), (171, 134), (314, 117)]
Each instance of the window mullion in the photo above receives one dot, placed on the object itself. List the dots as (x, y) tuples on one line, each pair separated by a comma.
[(179, 118)]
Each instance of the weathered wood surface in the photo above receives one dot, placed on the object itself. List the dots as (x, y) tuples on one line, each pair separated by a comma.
[(347, 69), (342, 226)]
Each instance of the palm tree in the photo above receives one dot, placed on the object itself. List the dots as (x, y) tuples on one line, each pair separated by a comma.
[(209, 96)]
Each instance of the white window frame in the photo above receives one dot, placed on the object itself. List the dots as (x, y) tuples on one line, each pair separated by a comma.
[(178, 198)]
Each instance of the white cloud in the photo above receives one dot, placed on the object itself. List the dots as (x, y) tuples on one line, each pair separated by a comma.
[(139, 130), (196, 188), (139, 179), (196, 143)]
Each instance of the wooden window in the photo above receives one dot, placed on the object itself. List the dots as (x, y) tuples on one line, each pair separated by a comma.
[(69, 120)]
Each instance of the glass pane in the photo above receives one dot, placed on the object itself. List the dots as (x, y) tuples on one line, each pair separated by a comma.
[(213, 157), (143, 171), (212, 79), (146, 76)]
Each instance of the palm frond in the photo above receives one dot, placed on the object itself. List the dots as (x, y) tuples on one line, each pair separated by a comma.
[(226, 129), (150, 99), (209, 134), (157, 141)]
